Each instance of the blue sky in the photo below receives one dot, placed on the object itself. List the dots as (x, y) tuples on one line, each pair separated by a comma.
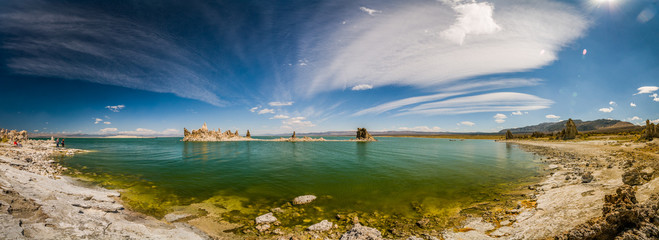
[(154, 67)]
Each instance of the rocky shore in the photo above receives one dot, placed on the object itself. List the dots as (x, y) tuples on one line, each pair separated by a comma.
[(36, 202), (593, 190), (600, 189)]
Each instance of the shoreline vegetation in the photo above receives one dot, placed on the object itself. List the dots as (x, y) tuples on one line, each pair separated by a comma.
[(594, 187)]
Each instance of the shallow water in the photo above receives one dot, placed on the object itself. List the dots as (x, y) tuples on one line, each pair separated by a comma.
[(388, 176)]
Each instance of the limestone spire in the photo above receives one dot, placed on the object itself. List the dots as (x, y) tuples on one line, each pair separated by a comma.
[(205, 127)]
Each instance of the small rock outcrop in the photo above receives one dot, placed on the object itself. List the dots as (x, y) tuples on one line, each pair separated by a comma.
[(248, 134), (570, 131), (622, 218), (12, 135), (650, 132), (303, 199), (205, 135), (265, 218), (363, 135), (293, 135), (509, 135), (322, 226), (359, 232)]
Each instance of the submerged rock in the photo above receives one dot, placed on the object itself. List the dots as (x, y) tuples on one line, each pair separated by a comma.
[(321, 226), (173, 217), (266, 218), (304, 199), (359, 232)]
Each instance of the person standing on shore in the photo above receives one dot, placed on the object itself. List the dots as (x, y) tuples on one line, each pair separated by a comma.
[(62, 142), (57, 142)]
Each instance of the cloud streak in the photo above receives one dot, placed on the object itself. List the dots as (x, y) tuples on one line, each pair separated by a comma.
[(116, 108), (489, 102), (68, 42), (405, 47)]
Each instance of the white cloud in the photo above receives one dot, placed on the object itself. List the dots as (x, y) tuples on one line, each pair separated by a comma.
[(606, 110), (139, 131), (466, 123), (647, 89), (632, 104), (635, 118), (656, 121), (97, 120), (517, 113), (473, 19), (280, 104), (170, 131), (500, 118), (654, 97), (280, 117), (107, 123), (266, 110), (421, 129), (361, 87), (371, 12), (489, 102), (404, 46), (253, 109), (296, 122), (552, 116), (108, 130), (612, 103), (116, 108), (71, 42)]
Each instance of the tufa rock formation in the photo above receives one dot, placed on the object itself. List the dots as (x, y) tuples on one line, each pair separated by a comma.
[(623, 217), (12, 135), (205, 135), (363, 135), (248, 134), (650, 132), (509, 135), (570, 131), (293, 135)]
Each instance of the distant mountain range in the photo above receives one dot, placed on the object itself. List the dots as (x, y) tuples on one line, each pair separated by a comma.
[(600, 125)]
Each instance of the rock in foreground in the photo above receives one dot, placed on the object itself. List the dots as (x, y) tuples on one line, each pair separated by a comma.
[(363, 135), (303, 199), (359, 232), (266, 218), (322, 226)]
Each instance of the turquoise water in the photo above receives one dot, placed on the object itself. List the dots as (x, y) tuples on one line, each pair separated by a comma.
[(385, 176)]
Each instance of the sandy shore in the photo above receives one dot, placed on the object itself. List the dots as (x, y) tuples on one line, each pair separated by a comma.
[(37, 202)]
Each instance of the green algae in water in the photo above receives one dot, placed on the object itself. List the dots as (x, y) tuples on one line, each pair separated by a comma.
[(380, 182)]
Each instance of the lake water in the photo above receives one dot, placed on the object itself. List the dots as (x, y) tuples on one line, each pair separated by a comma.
[(391, 176)]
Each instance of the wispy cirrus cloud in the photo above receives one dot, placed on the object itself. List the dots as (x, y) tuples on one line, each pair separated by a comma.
[(297, 123), (280, 104), (108, 130), (70, 42), (421, 129), (362, 87), (266, 110), (466, 123), (369, 11), (280, 116), (405, 47)]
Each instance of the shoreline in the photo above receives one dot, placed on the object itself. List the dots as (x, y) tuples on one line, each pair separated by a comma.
[(56, 206)]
